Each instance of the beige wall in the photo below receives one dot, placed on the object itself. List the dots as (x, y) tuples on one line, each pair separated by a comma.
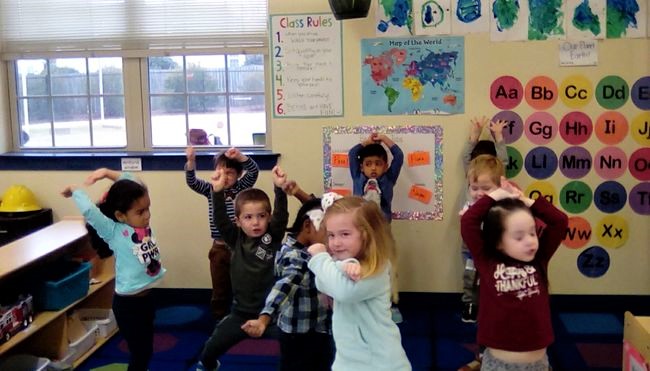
[(430, 260)]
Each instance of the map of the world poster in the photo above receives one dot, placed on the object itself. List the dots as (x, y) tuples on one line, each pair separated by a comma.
[(412, 76)]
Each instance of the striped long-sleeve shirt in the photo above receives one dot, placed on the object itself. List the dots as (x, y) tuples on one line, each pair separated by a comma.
[(205, 188)]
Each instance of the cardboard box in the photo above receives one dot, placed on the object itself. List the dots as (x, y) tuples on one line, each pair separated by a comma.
[(636, 343)]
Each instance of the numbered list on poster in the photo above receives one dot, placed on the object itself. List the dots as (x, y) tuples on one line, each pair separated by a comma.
[(307, 66)]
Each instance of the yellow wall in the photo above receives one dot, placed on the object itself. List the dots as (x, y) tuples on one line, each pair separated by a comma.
[(430, 259)]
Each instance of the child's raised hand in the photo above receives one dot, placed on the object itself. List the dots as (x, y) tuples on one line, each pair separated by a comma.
[(218, 180), (497, 129), (477, 125), (372, 138), (290, 187), (279, 176), (316, 248), (352, 270), (190, 153), (67, 191), (254, 328), (235, 154), (96, 175)]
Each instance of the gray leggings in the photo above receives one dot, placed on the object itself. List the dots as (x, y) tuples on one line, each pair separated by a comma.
[(489, 363)]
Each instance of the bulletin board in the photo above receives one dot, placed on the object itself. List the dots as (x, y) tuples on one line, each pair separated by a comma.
[(418, 192), (307, 68)]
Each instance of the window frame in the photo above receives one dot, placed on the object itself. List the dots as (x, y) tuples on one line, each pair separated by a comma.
[(135, 70)]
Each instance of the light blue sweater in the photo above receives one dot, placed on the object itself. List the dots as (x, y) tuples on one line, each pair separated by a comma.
[(365, 335), (137, 264)]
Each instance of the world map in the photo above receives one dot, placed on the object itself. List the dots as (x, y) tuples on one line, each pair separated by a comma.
[(423, 75)]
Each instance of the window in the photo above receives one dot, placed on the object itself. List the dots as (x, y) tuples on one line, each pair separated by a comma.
[(135, 75), (207, 99), (68, 103)]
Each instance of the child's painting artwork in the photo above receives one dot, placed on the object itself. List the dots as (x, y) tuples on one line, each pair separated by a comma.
[(509, 20), (470, 16), (546, 19), (410, 76), (394, 17), (418, 192), (432, 17), (586, 19), (626, 18)]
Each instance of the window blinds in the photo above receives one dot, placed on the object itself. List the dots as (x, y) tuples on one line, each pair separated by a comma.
[(47, 26)]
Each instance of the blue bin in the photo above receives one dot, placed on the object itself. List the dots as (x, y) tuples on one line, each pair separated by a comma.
[(67, 283)]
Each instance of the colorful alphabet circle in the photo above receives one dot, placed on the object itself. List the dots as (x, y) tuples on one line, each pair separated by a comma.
[(610, 162), (611, 127), (593, 262), (575, 162), (612, 92), (541, 189), (610, 197), (515, 162), (641, 129), (612, 231), (506, 92), (575, 197), (541, 128), (640, 164), (639, 198), (514, 127), (575, 127), (541, 162), (578, 233), (541, 92), (576, 91), (640, 93)]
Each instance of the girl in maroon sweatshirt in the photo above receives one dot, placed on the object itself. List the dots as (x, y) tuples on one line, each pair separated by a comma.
[(512, 261)]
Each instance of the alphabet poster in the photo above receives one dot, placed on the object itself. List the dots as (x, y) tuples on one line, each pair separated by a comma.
[(418, 192)]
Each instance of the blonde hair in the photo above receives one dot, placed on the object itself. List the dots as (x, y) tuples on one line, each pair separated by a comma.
[(377, 242), (486, 164)]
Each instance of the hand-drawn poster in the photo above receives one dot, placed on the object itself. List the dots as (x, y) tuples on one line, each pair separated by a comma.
[(417, 195), (432, 17), (509, 20), (626, 18), (394, 18), (307, 67), (470, 16), (586, 19), (546, 19), (410, 76)]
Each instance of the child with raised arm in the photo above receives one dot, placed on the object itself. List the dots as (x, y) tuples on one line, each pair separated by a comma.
[(255, 237), (294, 302), (365, 335), (512, 261), (122, 222), (482, 177), (240, 172), (372, 177)]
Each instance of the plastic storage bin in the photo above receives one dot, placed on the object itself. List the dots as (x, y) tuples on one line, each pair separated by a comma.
[(14, 225), (24, 362), (68, 281), (103, 318), (80, 346)]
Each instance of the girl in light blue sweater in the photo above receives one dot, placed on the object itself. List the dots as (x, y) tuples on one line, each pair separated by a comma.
[(355, 269)]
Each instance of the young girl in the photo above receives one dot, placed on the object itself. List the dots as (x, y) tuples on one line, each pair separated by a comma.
[(365, 335), (295, 303), (122, 221), (512, 261)]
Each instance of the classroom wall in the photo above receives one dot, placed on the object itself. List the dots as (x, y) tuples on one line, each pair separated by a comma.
[(429, 250)]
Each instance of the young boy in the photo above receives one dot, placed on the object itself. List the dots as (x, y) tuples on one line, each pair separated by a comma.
[(473, 148), (254, 240), (294, 303), (234, 164), (372, 178)]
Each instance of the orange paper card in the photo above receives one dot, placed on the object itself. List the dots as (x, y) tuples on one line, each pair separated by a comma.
[(419, 158), (342, 191), (340, 160), (420, 194)]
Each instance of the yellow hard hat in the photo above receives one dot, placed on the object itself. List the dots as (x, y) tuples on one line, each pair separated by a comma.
[(18, 198)]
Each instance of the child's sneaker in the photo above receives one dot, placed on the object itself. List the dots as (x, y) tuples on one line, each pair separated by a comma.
[(371, 191), (396, 315), (475, 365), (470, 312), (199, 367)]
